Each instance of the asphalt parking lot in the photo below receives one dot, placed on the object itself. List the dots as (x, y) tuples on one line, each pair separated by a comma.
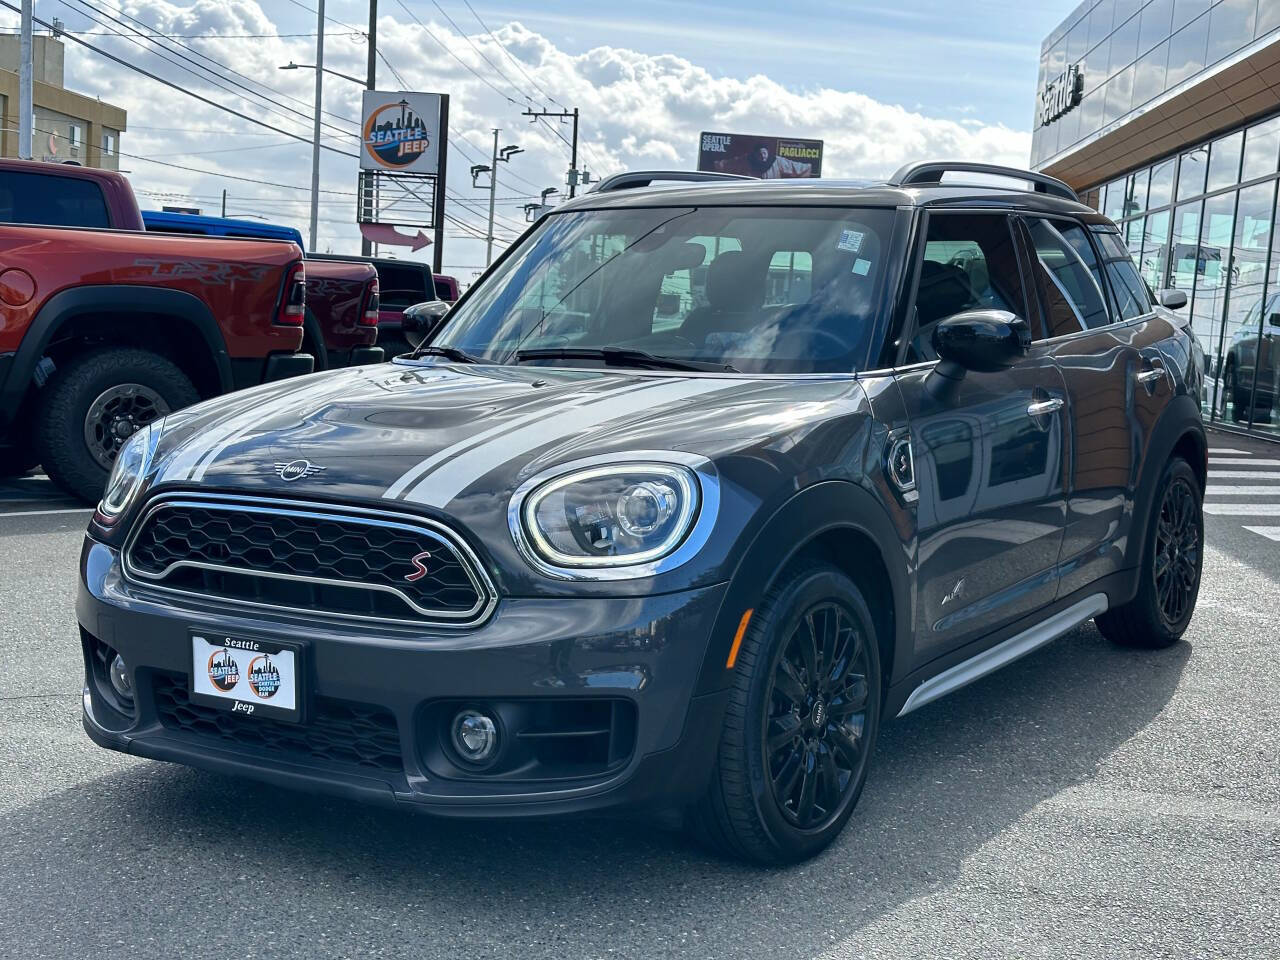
[(1085, 802)]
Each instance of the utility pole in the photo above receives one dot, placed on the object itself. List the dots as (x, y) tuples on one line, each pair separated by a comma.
[(26, 109), (366, 248), (573, 178), (315, 144), (499, 156), (224, 204), (493, 196)]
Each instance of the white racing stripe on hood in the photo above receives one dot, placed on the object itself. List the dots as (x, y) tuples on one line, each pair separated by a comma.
[(438, 488), (507, 426)]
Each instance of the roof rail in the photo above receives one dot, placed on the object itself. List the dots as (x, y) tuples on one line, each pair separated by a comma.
[(642, 178), (931, 171)]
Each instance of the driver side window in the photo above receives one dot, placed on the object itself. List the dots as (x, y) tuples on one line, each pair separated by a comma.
[(970, 262)]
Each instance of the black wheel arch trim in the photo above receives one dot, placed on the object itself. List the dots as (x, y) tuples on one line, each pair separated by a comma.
[(66, 305), (1180, 419), (822, 508)]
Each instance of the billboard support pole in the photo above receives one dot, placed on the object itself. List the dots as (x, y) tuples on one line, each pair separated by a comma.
[(25, 85), (438, 254), (371, 83)]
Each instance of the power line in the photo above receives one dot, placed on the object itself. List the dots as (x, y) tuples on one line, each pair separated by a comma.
[(307, 116), (483, 56), (481, 77), (503, 48), (181, 89)]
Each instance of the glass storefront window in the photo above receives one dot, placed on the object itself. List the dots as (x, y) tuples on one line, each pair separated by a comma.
[(1113, 199), (1138, 182), (1148, 75), (1124, 45), (1192, 168), (1152, 262), (1100, 21), (1161, 191), (1261, 149), (1212, 263), (1186, 10), (1119, 95), (1230, 28), (1224, 162), (1186, 244), (1096, 62), (1247, 284)]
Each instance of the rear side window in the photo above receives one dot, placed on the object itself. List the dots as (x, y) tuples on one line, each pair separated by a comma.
[(1072, 297), (1132, 298), (402, 287), (56, 201)]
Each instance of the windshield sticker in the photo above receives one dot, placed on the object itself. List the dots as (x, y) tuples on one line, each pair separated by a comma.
[(850, 240), (861, 267)]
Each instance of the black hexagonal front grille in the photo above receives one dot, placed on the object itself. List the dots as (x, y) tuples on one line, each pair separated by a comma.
[(339, 732), (379, 565)]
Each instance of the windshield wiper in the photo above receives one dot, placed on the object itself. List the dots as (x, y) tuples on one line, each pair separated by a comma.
[(622, 357), (449, 353)]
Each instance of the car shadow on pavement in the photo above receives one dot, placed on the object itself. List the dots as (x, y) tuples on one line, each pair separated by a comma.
[(158, 850)]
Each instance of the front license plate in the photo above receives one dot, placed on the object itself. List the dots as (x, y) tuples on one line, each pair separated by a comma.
[(256, 678)]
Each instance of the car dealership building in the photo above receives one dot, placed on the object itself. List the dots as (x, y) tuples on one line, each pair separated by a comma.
[(1165, 115)]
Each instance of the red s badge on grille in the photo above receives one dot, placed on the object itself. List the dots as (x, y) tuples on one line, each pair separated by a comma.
[(420, 568)]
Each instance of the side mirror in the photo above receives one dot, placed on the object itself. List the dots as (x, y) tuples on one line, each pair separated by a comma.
[(1172, 299), (1274, 320), (422, 319), (982, 340)]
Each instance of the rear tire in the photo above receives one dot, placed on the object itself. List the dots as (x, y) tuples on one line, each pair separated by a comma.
[(1169, 577), (88, 409), (801, 723)]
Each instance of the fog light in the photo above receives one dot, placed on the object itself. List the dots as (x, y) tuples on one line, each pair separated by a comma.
[(475, 736), (120, 681)]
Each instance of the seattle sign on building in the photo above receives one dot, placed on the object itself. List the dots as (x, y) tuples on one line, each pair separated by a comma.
[(1061, 94)]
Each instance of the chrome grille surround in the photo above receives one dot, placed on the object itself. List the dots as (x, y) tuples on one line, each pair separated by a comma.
[(355, 518)]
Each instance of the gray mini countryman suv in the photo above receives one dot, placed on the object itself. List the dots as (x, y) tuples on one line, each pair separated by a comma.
[(696, 487)]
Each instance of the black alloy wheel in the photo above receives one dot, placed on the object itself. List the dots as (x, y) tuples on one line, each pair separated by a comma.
[(818, 697), (1176, 558)]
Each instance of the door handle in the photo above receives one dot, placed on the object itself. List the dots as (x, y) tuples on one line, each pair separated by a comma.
[(1149, 377), (1042, 408)]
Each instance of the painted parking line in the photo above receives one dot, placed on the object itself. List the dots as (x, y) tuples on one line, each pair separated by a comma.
[(1243, 509), (43, 513), (1241, 490), (1242, 462), (1227, 452), (1271, 533), (1244, 474)]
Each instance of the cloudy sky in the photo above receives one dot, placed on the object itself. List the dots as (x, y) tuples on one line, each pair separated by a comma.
[(879, 82)]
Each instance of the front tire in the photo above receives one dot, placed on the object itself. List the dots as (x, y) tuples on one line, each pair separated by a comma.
[(96, 401), (1169, 578), (802, 720)]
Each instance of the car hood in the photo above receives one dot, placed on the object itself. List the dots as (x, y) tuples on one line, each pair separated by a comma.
[(429, 433)]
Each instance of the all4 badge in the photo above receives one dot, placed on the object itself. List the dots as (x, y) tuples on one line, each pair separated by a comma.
[(264, 677)]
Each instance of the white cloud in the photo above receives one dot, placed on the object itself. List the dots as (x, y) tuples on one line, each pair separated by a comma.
[(638, 110)]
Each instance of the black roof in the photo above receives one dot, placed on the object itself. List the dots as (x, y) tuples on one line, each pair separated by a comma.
[(824, 193)]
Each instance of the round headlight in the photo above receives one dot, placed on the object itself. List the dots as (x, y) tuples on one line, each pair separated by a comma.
[(128, 472), (611, 516)]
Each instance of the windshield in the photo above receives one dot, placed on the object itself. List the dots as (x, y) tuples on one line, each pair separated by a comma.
[(756, 289)]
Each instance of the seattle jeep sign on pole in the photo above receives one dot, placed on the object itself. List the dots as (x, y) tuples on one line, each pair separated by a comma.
[(402, 166)]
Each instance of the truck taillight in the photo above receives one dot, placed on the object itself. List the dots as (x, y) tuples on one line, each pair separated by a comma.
[(293, 307), (369, 317)]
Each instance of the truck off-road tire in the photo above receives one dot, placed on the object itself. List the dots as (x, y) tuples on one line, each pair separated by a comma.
[(93, 404), (1169, 578), (801, 723)]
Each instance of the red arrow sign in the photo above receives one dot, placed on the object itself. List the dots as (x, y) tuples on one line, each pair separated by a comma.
[(389, 235)]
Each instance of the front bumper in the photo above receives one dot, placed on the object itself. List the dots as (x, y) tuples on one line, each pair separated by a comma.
[(642, 654)]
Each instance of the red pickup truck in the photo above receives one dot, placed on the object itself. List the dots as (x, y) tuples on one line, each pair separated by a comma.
[(102, 331)]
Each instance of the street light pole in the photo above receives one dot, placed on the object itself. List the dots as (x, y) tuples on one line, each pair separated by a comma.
[(315, 144), (25, 80), (366, 248)]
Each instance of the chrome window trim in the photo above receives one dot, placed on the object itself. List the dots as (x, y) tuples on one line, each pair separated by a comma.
[(708, 481), (486, 594)]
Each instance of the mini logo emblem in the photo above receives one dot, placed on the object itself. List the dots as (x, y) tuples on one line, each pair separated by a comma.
[(819, 715), (264, 677), (419, 566), (224, 672), (297, 470)]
